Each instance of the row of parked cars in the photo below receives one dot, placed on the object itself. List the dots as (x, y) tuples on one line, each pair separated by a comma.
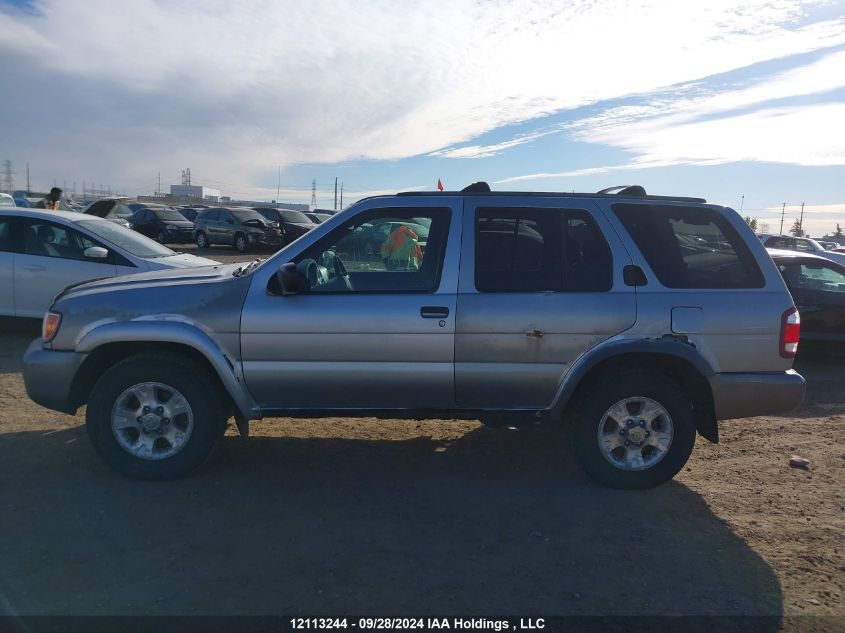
[(243, 228)]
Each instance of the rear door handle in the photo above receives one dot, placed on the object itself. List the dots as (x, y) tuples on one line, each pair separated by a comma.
[(434, 312)]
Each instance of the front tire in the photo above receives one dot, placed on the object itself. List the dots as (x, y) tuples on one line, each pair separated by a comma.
[(241, 243), (202, 240), (155, 416), (161, 237), (634, 430)]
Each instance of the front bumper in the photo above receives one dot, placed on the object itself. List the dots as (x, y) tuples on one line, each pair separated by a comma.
[(48, 376), (749, 395)]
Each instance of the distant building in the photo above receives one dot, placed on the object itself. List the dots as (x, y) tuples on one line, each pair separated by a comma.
[(195, 192)]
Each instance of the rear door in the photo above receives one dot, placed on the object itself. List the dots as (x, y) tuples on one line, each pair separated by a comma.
[(540, 284), (49, 257), (7, 290)]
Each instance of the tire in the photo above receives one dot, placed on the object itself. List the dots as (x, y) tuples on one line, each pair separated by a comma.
[(648, 462), (202, 240), (203, 421), (241, 243), (161, 238)]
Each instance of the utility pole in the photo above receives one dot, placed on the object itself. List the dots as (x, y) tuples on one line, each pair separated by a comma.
[(742, 203), (314, 194), (801, 221), (158, 193), (8, 183), (279, 185), (27, 177), (782, 213), (335, 193), (341, 196)]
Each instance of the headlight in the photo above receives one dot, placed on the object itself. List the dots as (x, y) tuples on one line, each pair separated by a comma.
[(50, 326)]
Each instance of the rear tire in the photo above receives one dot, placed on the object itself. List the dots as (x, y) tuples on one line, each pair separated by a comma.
[(202, 240), (655, 419), (120, 438)]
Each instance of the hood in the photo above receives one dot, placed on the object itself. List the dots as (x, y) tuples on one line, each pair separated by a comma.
[(256, 223), (180, 260), (164, 277)]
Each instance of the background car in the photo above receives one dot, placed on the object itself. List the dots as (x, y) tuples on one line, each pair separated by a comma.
[(316, 218), (241, 227), (828, 246), (801, 245), (6, 200), (817, 286), (42, 252), (293, 224), (189, 213), (163, 224), (112, 210)]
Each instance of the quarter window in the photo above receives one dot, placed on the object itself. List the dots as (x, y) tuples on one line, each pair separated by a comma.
[(690, 247), (533, 250)]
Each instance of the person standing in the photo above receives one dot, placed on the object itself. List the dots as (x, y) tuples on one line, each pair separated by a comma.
[(51, 200)]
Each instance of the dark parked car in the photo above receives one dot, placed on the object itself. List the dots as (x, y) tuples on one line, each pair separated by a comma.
[(243, 228), (163, 224), (818, 289), (189, 213), (317, 218), (293, 224), (111, 209)]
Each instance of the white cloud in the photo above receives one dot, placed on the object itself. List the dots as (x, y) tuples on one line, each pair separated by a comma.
[(235, 89)]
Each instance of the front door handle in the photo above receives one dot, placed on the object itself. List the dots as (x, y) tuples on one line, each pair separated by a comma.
[(434, 312)]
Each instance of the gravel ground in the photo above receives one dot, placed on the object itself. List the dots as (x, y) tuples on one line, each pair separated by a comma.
[(393, 517)]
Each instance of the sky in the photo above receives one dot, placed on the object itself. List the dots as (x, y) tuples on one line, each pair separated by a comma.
[(742, 102)]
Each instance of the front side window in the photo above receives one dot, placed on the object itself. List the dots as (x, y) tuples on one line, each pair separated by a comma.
[(690, 247), (815, 276), (381, 251), (532, 250), (46, 239)]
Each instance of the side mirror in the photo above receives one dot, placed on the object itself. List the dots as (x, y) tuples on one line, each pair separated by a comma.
[(96, 252), (291, 281)]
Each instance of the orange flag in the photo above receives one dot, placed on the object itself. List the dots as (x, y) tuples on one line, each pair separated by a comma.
[(439, 185)]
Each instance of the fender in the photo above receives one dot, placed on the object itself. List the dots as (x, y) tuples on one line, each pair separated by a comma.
[(181, 332), (667, 345)]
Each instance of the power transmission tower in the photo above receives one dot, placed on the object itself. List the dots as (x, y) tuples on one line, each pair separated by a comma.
[(314, 194), (8, 182)]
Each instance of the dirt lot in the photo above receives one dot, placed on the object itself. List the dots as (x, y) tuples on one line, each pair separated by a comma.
[(384, 517)]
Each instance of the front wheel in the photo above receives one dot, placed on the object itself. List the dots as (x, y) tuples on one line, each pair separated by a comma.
[(241, 243), (202, 240), (155, 416), (634, 430), (161, 237)]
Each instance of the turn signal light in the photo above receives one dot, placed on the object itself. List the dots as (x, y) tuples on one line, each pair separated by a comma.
[(50, 326), (790, 332)]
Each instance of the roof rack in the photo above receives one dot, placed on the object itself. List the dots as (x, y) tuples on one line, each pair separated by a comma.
[(628, 191), (634, 191)]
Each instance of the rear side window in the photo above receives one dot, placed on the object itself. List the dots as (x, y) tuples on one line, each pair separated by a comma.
[(690, 247), (534, 250)]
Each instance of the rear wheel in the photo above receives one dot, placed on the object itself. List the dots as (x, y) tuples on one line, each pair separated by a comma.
[(202, 240), (155, 416), (241, 243), (634, 430)]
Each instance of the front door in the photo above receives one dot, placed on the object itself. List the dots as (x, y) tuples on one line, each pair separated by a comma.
[(50, 256), (541, 283), (373, 332)]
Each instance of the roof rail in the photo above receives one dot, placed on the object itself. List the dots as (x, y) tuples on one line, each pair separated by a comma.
[(632, 191)]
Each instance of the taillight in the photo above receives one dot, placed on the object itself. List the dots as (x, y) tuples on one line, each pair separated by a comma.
[(50, 326), (790, 332)]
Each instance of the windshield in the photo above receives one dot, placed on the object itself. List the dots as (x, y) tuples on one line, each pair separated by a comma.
[(242, 215), (289, 215), (168, 214), (127, 239)]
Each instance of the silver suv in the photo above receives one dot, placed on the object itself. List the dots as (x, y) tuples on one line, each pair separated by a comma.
[(634, 321)]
